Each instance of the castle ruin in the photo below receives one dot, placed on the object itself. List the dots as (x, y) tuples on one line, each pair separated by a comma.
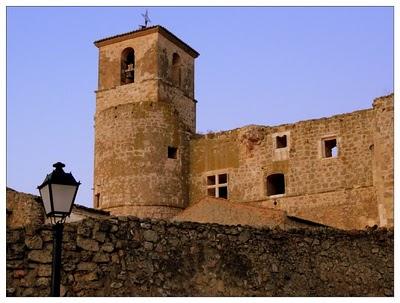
[(150, 162)]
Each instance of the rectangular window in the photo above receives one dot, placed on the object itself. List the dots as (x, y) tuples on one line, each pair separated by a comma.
[(281, 141), (217, 186), (329, 148), (172, 152), (275, 184)]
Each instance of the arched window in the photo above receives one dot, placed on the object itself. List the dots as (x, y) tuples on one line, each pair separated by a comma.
[(176, 70), (128, 66), (275, 184)]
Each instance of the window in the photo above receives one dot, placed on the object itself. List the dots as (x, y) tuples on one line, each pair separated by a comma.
[(281, 141), (275, 184), (128, 66), (280, 145), (172, 152), (329, 148), (176, 70), (217, 186)]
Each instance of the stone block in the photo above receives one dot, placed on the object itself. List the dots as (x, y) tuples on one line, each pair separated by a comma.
[(107, 247), (40, 256), (150, 235), (148, 245), (42, 282), (86, 277), (116, 285), (99, 236), (44, 270), (86, 266), (19, 273), (87, 244), (84, 230), (34, 242), (101, 258)]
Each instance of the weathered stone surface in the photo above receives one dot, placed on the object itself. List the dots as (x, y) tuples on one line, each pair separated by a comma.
[(107, 247), (34, 242), (150, 235), (42, 282), (101, 257), (86, 266), (190, 259), (41, 256), (116, 285), (19, 273), (99, 236), (86, 277), (84, 230), (244, 236), (44, 270), (88, 244), (148, 245)]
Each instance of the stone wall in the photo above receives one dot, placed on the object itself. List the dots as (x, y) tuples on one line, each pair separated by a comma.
[(23, 209), (384, 158), (127, 256), (249, 154), (26, 210), (344, 209)]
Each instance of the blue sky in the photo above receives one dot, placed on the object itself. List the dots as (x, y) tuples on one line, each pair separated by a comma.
[(260, 65)]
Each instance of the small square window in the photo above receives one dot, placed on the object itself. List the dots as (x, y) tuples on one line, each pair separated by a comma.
[(281, 142), (172, 152), (217, 186), (329, 148)]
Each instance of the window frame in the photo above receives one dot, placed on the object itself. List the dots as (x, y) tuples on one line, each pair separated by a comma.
[(217, 185), (284, 185), (323, 146)]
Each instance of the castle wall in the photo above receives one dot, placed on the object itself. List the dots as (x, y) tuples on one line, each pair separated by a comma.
[(314, 184), (384, 158), (344, 209), (132, 257), (133, 174)]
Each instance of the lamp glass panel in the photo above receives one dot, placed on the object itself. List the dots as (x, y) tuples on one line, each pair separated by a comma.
[(45, 194), (62, 197)]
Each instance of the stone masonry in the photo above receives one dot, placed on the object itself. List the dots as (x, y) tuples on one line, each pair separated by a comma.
[(137, 124), (127, 256), (149, 161)]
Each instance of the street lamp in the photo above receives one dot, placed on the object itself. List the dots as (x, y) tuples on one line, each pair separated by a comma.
[(58, 192)]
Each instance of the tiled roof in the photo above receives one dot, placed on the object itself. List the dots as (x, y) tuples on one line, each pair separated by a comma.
[(151, 29)]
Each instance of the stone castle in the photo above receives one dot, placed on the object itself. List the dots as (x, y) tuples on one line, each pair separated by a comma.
[(150, 162)]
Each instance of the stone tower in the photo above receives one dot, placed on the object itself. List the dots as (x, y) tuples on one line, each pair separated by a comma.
[(145, 116)]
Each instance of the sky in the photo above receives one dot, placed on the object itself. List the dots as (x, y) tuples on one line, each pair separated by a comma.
[(258, 65)]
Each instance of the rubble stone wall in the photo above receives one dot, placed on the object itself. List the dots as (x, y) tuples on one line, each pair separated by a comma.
[(126, 256)]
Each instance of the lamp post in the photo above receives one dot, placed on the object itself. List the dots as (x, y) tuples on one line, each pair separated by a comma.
[(58, 192)]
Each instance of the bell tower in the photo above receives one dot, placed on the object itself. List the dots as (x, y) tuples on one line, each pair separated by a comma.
[(145, 116)]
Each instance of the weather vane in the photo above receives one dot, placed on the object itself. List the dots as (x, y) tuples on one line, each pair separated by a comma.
[(146, 19)]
